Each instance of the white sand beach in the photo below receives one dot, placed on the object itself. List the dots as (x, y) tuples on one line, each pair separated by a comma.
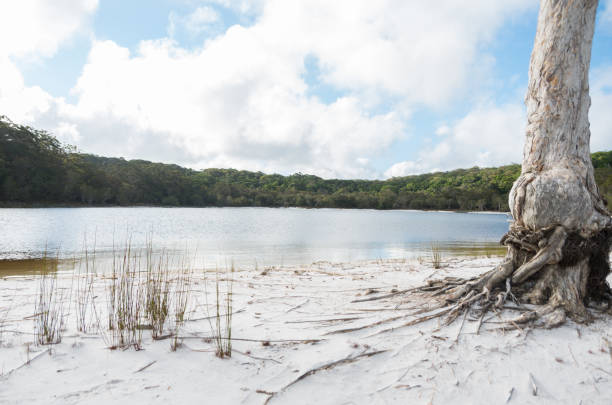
[(285, 351)]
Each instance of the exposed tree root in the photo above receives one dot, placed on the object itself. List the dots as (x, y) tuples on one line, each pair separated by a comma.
[(556, 270)]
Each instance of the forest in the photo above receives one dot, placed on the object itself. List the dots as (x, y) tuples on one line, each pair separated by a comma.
[(36, 169)]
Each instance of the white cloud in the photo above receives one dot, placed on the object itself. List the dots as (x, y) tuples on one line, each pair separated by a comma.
[(36, 28), (67, 132), (33, 29), (20, 103), (241, 100), (225, 108), (241, 6), (491, 136), (423, 52), (200, 20), (600, 115), (606, 16), (487, 136), (443, 130), (201, 16)]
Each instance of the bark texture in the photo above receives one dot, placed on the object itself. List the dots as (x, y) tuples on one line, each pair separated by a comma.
[(557, 187)]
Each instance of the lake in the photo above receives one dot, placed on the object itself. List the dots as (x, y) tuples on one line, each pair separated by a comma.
[(248, 236)]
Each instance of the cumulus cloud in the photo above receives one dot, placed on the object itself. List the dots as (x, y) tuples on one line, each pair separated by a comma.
[(601, 106), (17, 101), (225, 108), (487, 136), (606, 16), (36, 28), (200, 20), (29, 30), (241, 99)]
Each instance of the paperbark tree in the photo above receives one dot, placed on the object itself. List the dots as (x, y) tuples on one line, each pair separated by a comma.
[(559, 242), (556, 197)]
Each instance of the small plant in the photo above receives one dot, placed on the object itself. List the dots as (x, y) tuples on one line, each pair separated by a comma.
[(48, 308), (84, 291), (157, 295), (125, 300), (436, 256), (222, 330), (181, 298)]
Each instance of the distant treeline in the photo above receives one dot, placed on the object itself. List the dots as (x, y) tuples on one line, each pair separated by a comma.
[(36, 169)]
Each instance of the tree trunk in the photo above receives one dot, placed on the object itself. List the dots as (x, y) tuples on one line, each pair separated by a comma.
[(556, 197), (559, 241)]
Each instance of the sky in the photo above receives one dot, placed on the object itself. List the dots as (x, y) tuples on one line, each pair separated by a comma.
[(339, 89)]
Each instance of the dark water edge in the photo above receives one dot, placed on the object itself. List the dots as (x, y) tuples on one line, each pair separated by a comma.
[(40, 205)]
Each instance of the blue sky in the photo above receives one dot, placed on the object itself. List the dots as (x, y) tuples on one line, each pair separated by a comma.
[(348, 89)]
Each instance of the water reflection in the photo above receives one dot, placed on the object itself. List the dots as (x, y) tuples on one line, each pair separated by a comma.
[(247, 236)]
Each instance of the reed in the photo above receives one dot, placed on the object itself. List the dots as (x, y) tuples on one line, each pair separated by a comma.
[(157, 295), (49, 308), (125, 298), (181, 298), (436, 256), (85, 277), (222, 329)]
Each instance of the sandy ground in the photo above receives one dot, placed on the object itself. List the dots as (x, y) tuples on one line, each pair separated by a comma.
[(286, 307)]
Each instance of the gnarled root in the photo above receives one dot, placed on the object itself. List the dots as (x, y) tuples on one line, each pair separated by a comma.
[(552, 268)]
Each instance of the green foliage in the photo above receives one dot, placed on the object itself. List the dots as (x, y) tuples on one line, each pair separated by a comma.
[(36, 168), (602, 159)]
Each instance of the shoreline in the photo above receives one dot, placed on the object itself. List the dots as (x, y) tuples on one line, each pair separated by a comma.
[(5, 205), (288, 349)]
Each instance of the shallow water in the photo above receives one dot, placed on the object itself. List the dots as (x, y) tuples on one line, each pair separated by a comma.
[(245, 236)]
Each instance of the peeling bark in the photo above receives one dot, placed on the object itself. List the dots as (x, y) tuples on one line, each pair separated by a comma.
[(557, 186)]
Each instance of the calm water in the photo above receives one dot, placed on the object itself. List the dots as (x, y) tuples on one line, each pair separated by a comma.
[(268, 236)]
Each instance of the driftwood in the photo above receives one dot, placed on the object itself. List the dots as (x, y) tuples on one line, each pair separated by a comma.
[(327, 366)]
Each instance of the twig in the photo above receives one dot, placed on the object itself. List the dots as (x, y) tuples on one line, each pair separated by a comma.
[(394, 318), (510, 395), (398, 379), (601, 369), (572, 353), (460, 327), (213, 316), (417, 321), (326, 366), (327, 320), (256, 340), (255, 357), (145, 367), (480, 321), (298, 306), (381, 297), (534, 387), (27, 362)]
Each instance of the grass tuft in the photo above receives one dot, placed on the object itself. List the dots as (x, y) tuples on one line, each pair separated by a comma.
[(436, 255), (49, 309), (222, 329), (125, 298), (181, 300)]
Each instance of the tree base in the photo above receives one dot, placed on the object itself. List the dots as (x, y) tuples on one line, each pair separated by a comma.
[(560, 272)]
